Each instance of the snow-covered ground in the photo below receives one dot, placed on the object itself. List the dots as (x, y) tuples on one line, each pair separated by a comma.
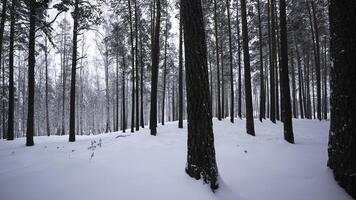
[(139, 166)]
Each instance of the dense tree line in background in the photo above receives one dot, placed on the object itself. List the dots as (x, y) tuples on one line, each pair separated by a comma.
[(88, 67), (140, 64)]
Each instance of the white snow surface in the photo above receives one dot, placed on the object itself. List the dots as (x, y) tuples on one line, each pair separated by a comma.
[(142, 167)]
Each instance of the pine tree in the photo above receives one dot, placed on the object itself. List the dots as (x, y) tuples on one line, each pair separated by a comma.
[(201, 152), (342, 141), (155, 63), (248, 94), (285, 92)]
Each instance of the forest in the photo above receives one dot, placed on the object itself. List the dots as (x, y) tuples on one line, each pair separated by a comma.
[(103, 98)]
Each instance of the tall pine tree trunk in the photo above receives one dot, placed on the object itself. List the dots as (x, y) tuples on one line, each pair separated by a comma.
[(272, 63), (10, 127), (217, 59), (239, 84), (31, 73), (132, 69), (232, 108), (342, 138), (180, 70), (137, 75), (154, 77), (248, 94), (201, 161), (262, 84), (286, 111), (73, 74)]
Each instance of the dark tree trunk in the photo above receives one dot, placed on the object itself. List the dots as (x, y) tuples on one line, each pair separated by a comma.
[(123, 94), (73, 74), (142, 122), (116, 122), (300, 81), (286, 111), (272, 63), (325, 104), (180, 71), (10, 127), (31, 73), (232, 115), (137, 75), (342, 143), (262, 84), (201, 152), (46, 95), (239, 100), (294, 95), (2, 25), (277, 63), (133, 69), (248, 94), (317, 62), (217, 59), (164, 72), (154, 77)]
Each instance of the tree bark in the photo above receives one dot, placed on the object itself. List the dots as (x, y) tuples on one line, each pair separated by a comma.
[(217, 59), (10, 127), (73, 74), (342, 138), (154, 77), (137, 75), (262, 85), (248, 95), (180, 70), (31, 73), (132, 70), (201, 161), (286, 111), (232, 108)]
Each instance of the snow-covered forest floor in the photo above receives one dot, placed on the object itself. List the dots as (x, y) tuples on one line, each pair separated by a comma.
[(119, 166)]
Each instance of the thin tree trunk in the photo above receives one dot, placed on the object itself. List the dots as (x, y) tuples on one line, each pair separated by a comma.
[(248, 95), (46, 95), (317, 62), (239, 100), (132, 70), (272, 63), (164, 71), (180, 70), (31, 73), (286, 111), (2, 25), (262, 86), (217, 59), (137, 75), (231, 65), (141, 86), (154, 78), (73, 74), (10, 127), (294, 95), (300, 81), (123, 94)]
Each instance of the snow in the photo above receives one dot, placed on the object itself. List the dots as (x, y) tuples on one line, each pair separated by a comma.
[(140, 166)]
